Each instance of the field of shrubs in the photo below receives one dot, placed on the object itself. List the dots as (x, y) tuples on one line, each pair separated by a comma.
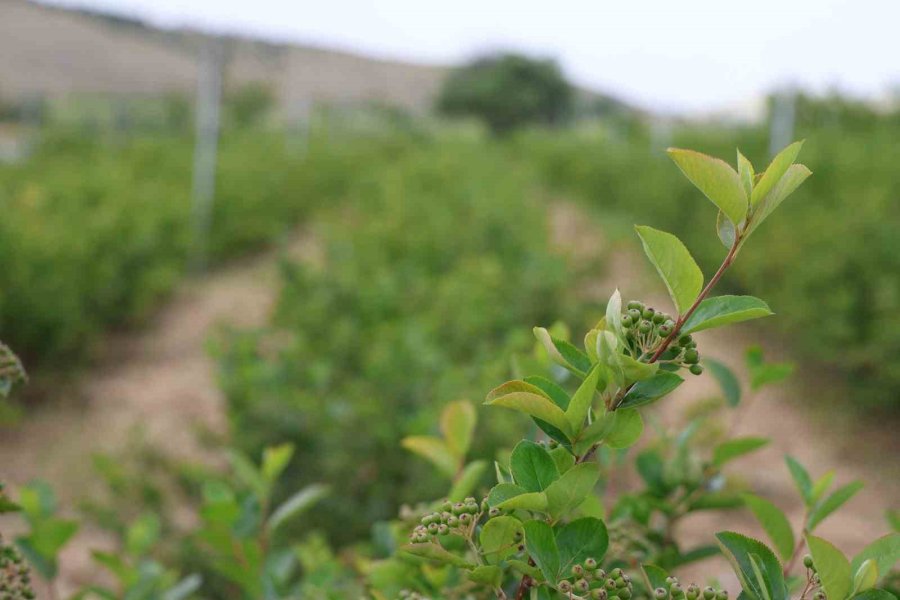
[(435, 264)]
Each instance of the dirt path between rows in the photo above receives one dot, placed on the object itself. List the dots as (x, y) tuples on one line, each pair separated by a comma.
[(163, 379)]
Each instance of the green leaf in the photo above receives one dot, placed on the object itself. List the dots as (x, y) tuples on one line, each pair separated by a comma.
[(583, 399), (296, 504), (536, 501), (502, 492), (560, 398), (581, 539), (614, 314), (626, 430), (275, 460), (563, 459), (49, 535), (655, 576), (775, 171), (865, 577), (488, 575), (725, 230), (499, 538), (596, 432), (532, 467), (739, 549), (774, 522), (885, 551), (525, 569), (457, 426), (832, 503), (570, 490), (437, 553), (142, 534), (674, 264), (796, 175), (733, 448), (433, 450), (801, 478), (832, 566), (763, 373), (466, 481), (821, 486), (563, 353), (724, 310), (716, 179), (728, 382), (541, 546), (745, 172), (649, 390), (531, 400), (875, 594), (550, 389)]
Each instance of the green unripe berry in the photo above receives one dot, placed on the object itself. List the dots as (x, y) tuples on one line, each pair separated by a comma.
[(645, 326), (624, 594), (671, 580), (472, 508), (648, 313), (577, 570), (458, 508), (635, 305), (722, 595), (453, 521), (676, 589), (659, 318), (664, 330), (620, 582), (446, 506), (465, 518), (691, 356), (635, 315), (610, 584), (599, 574), (709, 593), (433, 528), (696, 369), (443, 529), (685, 340), (590, 563), (808, 561), (494, 512), (627, 321), (582, 585), (599, 594), (564, 586), (660, 593)]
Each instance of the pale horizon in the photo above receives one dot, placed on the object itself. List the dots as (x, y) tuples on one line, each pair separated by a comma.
[(690, 58)]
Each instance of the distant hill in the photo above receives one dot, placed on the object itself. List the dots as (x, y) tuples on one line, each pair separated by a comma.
[(52, 51)]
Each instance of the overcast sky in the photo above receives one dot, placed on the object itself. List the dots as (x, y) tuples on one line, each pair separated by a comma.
[(677, 55)]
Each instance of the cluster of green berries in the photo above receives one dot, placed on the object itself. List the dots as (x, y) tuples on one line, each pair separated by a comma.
[(673, 590), (589, 582), (813, 575), (453, 518), (646, 328), (15, 576)]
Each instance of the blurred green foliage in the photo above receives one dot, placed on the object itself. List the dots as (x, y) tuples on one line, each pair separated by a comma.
[(431, 273), (508, 91)]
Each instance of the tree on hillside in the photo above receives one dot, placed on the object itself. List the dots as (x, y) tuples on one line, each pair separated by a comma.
[(507, 91)]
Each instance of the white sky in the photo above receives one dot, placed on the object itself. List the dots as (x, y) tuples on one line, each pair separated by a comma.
[(680, 55)]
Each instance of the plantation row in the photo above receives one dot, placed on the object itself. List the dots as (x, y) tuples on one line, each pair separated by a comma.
[(355, 471)]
